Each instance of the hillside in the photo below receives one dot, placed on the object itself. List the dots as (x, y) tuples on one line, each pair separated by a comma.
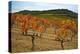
[(55, 12)]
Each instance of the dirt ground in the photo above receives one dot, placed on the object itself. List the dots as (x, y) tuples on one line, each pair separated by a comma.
[(21, 43)]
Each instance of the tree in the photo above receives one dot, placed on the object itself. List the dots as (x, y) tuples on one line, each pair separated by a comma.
[(70, 24), (63, 35)]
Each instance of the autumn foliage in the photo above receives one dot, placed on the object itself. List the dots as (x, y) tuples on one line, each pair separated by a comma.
[(28, 21)]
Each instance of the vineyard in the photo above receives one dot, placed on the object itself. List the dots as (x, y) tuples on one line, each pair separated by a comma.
[(43, 32)]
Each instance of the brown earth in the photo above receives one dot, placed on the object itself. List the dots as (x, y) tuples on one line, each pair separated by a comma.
[(21, 43)]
